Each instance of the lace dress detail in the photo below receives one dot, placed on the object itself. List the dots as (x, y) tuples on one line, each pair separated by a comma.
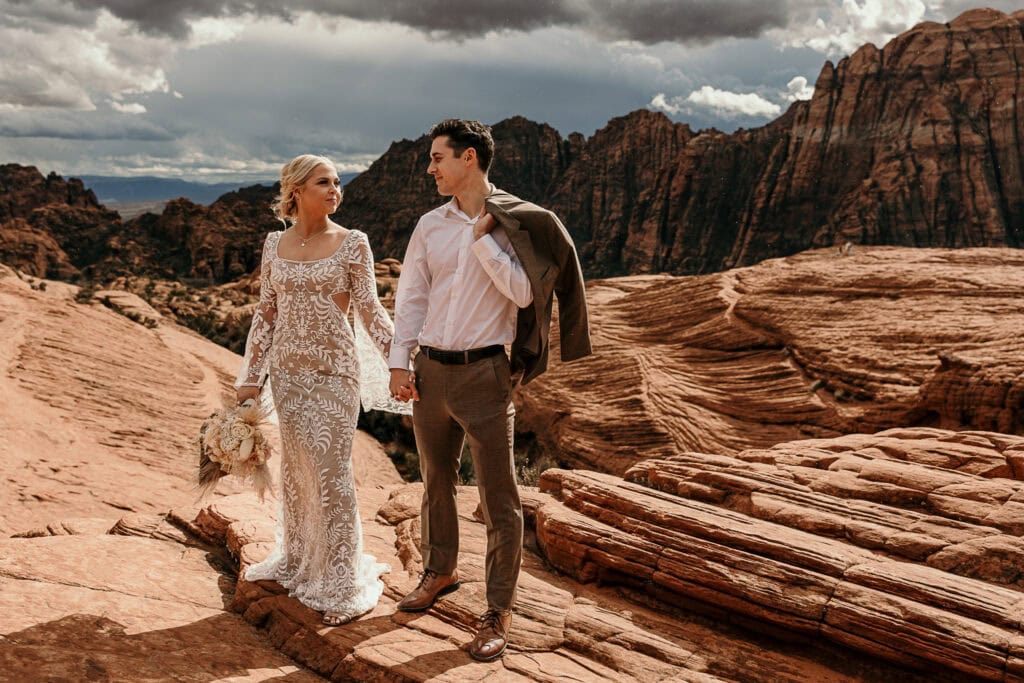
[(302, 341)]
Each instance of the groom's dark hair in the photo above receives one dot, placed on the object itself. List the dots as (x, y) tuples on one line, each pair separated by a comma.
[(465, 133)]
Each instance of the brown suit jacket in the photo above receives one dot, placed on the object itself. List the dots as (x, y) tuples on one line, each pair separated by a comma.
[(547, 253)]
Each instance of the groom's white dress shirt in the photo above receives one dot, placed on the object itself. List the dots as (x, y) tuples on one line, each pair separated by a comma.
[(456, 293)]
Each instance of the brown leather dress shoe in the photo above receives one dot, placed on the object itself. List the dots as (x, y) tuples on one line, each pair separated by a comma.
[(432, 586), (491, 636)]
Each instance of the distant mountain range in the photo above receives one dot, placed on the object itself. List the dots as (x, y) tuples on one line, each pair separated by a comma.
[(918, 144), (119, 190)]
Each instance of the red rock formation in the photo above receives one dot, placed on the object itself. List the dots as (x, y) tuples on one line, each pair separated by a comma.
[(763, 535), (23, 189), (810, 345), (215, 243), (33, 251), (98, 411), (917, 144), (386, 200), (50, 227), (868, 541), (560, 630)]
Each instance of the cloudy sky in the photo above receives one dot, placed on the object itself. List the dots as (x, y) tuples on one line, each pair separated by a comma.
[(225, 90)]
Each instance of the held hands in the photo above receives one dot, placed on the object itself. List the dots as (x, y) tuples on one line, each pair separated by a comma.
[(484, 225), (403, 385), (243, 394)]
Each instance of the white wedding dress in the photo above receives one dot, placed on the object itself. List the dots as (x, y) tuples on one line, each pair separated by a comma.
[(319, 368)]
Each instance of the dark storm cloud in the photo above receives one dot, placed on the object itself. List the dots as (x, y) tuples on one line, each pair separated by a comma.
[(647, 21), (35, 15), (652, 21), (77, 125)]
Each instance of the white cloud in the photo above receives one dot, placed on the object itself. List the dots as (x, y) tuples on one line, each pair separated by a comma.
[(73, 66), (798, 89), (731, 104), (675, 105), (843, 27), (211, 31), (128, 107)]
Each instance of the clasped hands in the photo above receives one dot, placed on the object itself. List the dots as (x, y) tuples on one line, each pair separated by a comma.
[(403, 385)]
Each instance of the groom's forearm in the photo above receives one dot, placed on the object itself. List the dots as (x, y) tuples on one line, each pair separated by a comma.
[(504, 270)]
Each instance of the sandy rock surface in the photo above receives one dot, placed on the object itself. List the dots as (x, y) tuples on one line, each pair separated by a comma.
[(813, 345), (98, 412), (905, 545), (561, 629)]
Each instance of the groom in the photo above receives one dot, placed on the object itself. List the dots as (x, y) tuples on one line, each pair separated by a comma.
[(479, 274)]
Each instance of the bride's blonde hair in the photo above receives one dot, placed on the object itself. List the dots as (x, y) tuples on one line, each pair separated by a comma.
[(293, 175)]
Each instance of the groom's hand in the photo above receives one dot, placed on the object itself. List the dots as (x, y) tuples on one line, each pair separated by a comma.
[(403, 385), (483, 226)]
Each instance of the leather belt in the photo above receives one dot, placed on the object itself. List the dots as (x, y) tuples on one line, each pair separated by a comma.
[(461, 357)]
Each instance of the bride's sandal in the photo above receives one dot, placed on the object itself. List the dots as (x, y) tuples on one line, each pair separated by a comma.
[(332, 618), (336, 618)]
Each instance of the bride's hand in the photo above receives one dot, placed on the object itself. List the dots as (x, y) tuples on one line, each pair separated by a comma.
[(243, 394)]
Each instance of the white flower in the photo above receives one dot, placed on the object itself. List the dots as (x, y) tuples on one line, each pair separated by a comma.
[(242, 431)]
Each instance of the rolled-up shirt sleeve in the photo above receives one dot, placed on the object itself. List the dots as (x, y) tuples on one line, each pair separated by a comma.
[(505, 270)]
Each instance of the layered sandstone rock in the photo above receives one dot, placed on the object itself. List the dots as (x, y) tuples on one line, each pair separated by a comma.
[(560, 630), (99, 411), (88, 591), (889, 544), (816, 344), (102, 607)]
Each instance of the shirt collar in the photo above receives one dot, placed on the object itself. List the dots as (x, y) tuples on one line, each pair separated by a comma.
[(452, 209)]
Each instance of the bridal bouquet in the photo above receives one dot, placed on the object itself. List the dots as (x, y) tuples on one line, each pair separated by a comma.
[(230, 442)]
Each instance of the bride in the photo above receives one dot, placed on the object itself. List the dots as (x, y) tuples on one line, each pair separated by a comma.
[(319, 367)]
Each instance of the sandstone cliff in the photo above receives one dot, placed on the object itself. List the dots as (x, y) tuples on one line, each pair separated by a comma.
[(918, 143)]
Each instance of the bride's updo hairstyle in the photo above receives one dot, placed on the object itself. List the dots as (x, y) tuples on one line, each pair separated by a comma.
[(293, 175)]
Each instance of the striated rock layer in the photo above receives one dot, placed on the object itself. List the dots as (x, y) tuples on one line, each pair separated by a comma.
[(99, 409), (98, 414), (561, 630), (905, 545), (99, 607), (816, 344)]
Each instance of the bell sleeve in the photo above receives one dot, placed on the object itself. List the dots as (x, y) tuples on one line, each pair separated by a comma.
[(255, 365), (373, 333)]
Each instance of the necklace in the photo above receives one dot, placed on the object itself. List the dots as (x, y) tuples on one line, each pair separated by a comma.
[(303, 240)]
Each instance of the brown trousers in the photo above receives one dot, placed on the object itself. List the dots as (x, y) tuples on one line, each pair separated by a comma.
[(471, 401)]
